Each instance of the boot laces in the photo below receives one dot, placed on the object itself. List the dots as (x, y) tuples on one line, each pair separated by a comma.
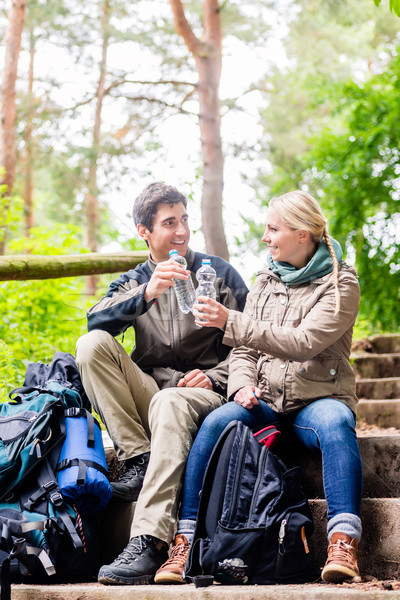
[(341, 551), (133, 471), (178, 555), (134, 547)]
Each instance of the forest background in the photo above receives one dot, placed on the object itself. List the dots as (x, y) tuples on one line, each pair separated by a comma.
[(232, 101)]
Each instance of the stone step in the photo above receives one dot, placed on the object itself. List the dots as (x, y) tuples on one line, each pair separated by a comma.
[(379, 548), (374, 366), (379, 551), (380, 459), (386, 387), (385, 344), (384, 413), (95, 591)]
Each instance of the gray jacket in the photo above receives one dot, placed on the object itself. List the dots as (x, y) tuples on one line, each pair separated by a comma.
[(290, 344)]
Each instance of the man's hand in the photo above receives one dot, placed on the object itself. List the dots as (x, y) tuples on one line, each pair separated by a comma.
[(196, 378), (248, 396), (163, 278)]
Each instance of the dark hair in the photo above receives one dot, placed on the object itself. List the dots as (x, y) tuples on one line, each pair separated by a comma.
[(146, 204)]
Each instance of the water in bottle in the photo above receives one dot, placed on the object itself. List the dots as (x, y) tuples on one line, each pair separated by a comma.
[(206, 276), (184, 289)]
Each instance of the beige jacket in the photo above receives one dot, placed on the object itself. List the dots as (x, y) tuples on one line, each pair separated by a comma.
[(290, 344)]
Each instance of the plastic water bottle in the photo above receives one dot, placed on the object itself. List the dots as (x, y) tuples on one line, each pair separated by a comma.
[(184, 289), (206, 276)]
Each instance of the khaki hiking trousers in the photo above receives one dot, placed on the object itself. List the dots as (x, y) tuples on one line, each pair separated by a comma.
[(140, 418)]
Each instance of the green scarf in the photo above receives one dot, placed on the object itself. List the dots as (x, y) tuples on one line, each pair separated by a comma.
[(321, 264)]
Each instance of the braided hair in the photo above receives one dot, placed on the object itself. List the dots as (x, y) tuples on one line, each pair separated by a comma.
[(299, 210)]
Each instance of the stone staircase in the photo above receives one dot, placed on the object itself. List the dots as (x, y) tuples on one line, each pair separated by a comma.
[(377, 367), (376, 362)]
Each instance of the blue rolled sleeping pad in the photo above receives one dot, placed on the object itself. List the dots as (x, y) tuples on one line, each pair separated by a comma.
[(82, 473)]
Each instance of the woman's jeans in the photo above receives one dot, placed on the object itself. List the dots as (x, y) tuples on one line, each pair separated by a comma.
[(327, 424)]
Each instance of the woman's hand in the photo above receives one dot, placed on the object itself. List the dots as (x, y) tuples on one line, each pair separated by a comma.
[(248, 396), (210, 313)]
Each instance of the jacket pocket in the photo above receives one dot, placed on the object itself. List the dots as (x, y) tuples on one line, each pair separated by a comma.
[(319, 370), (264, 370)]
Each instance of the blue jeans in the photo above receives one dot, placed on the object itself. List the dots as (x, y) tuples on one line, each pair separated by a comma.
[(327, 425)]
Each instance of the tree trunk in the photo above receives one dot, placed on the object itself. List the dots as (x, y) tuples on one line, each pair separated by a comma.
[(22, 267), (28, 152), (16, 20), (207, 55), (92, 204)]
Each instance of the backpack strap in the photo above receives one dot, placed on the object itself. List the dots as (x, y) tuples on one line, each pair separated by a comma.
[(82, 465), (5, 583), (91, 421), (268, 436), (43, 557), (49, 489)]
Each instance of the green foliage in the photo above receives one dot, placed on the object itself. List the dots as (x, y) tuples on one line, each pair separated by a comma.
[(332, 127), (393, 4), (40, 317), (356, 165), (8, 371)]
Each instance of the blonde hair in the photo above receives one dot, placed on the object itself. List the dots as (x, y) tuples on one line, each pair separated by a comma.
[(299, 210)]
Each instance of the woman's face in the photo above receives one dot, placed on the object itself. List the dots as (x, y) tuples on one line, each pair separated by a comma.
[(285, 244)]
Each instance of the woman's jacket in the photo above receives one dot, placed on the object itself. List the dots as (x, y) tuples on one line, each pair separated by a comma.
[(290, 344)]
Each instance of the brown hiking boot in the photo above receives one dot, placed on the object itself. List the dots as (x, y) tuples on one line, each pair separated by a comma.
[(342, 561), (172, 570)]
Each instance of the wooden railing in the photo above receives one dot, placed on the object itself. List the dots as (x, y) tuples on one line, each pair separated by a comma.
[(28, 266)]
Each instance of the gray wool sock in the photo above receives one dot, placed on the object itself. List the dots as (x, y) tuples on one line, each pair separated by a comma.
[(186, 528)]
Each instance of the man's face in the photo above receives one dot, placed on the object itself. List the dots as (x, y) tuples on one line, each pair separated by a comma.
[(170, 231)]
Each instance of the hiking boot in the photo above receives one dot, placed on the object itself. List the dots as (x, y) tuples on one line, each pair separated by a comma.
[(172, 571), (342, 561), (130, 483), (137, 564)]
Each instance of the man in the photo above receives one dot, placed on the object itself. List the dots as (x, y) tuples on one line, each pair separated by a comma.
[(153, 402)]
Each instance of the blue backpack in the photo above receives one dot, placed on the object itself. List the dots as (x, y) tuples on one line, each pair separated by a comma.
[(53, 479)]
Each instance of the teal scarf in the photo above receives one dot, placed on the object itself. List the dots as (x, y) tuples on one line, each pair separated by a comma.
[(321, 264)]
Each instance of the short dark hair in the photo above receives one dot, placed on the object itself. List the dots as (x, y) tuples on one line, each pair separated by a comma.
[(146, 204)]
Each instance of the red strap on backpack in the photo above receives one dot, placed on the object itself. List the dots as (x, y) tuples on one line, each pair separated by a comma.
[(268, 436)]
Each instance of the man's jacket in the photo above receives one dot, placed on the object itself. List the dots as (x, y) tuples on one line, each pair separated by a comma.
[(168, 344), (290, 344)]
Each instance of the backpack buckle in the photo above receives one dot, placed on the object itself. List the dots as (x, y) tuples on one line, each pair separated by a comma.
[(56, 499)]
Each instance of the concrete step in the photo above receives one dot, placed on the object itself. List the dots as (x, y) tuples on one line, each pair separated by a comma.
[(380, 459), (384, 413), (385, 344), (374, 366), (95, 591), (386, 387), (379, 549)]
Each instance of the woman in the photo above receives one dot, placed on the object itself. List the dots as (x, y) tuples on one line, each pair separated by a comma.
[(290, 366)]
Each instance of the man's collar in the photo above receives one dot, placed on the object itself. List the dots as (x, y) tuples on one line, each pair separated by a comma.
[(189, 259)]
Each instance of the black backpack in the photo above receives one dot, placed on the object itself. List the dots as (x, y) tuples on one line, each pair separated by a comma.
[(254, 519)]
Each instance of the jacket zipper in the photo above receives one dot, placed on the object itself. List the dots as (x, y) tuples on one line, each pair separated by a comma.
[(261, 467), (286, 305), (174, 321)]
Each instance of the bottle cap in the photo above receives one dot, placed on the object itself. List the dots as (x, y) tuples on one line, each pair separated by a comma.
[(206, 261), (171, 252)]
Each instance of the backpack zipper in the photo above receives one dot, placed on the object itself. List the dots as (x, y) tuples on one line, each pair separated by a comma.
[(281, 537), (238, 477), (261, 466)]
